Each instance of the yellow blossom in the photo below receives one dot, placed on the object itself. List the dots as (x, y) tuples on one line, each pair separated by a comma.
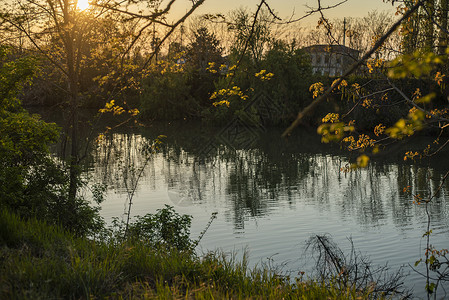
[(317, 89)]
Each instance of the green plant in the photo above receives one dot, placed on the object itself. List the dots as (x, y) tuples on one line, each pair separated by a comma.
[(165, 229), (32, 182), (40, 261)]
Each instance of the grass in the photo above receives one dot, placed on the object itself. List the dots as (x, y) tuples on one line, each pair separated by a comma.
[(38, 261)]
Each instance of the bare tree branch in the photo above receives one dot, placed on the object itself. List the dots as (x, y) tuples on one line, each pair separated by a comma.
[(313, 11), (172, 28)]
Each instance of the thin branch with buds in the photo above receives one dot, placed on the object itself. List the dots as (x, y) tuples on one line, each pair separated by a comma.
[(306, 111)]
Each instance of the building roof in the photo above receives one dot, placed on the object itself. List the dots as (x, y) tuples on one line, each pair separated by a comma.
[(331, 49)]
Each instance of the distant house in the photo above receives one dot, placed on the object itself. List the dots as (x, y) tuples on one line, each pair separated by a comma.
[(331, 60)]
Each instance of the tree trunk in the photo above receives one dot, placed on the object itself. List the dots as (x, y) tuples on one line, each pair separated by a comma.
[(69, 36), (429, 29), (410, 37), (443, 18), (74, 159)]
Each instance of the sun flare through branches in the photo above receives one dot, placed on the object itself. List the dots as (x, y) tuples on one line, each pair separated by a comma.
[(83, 4)]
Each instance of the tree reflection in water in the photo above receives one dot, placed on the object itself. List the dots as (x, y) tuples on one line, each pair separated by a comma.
[(276, 173)]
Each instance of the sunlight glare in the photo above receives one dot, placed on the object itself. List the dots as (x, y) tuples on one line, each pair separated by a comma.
[(83, 4)]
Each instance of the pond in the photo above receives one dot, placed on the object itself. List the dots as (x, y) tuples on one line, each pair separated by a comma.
[(272, 195)]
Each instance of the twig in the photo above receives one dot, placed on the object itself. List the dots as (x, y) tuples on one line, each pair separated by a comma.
[(131, 194), (409, 101)]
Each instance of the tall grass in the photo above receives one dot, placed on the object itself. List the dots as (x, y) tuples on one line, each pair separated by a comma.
[(39, 261)]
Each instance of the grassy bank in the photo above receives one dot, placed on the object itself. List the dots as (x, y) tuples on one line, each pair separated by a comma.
[(39, 261)]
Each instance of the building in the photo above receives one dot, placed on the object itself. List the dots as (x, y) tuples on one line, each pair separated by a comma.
[(331, 60)]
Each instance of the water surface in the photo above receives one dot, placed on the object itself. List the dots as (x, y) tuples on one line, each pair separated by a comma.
[(272, 195)]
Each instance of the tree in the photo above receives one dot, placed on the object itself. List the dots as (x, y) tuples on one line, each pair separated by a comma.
[(357, 33), (251, 33), (443, 32), (63, 33), (426, 29), (204, 54), (203, 49)]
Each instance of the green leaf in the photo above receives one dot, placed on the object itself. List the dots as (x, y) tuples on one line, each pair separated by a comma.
[(430, 288)]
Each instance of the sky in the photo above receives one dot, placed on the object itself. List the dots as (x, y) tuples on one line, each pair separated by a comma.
[(285, 8)]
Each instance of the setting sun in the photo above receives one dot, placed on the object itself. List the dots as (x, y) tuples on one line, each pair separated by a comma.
[(83, 4)]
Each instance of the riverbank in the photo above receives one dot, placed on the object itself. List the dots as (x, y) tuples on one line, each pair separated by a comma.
[(45, 262)]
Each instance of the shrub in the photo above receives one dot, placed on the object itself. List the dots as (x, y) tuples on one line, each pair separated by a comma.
[(32, 183)]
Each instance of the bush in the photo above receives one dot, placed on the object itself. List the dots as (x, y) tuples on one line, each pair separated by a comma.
[(32, 183), (166, 229)]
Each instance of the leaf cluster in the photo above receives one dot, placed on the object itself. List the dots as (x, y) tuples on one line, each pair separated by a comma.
[(166, 229)]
